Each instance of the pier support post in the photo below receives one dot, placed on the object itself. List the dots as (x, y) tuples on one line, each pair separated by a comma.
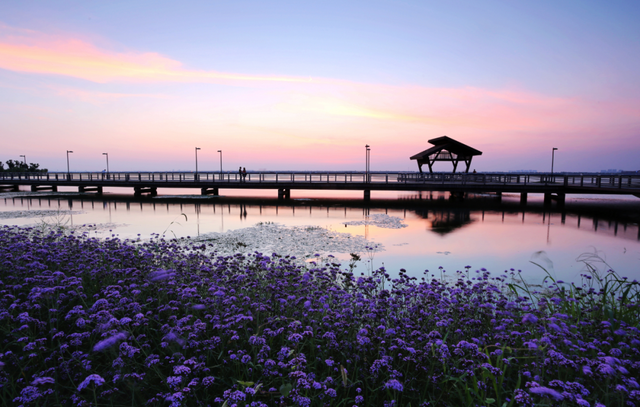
[(97, 189), (284, 193), (36, 188), (137, 191), (209, 191), (523, 198), (367, 194), (560, 198)]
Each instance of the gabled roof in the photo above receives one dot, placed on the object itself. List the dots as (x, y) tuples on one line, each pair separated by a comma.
[(449, 144)]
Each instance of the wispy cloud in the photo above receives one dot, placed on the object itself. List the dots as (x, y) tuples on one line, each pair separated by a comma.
[(33, 52), (100, 97)]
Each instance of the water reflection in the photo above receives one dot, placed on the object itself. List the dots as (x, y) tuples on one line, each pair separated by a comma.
[(444, 221), (480, 231)]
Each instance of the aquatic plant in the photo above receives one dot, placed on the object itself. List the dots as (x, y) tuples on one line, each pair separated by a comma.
[(109, 322)]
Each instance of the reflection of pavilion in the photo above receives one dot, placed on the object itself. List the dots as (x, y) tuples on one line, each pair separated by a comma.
[(446, 220)]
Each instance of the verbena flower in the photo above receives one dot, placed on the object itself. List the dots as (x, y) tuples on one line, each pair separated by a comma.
[(111, 341), (96, 379), (545, 391), (393, 384)]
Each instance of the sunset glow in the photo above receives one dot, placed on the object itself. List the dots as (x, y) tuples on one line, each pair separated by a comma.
[(285, 94)]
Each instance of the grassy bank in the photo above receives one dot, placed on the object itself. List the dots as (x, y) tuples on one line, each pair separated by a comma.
[(109, 322)]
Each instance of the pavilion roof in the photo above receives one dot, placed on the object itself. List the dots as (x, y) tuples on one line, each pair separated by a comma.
[(449, 144)]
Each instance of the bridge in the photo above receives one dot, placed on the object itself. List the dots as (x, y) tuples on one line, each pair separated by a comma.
[(553, 186)]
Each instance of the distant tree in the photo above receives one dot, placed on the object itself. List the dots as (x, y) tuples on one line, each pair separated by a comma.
[(21, 166)]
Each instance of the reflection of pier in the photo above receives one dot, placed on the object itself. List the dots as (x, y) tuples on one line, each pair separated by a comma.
[(444, 221), (554, 186), (443, 215)]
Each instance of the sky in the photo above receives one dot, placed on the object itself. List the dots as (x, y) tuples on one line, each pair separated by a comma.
[(305, 85)]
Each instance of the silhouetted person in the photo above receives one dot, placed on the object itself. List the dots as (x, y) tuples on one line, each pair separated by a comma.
[(244, 174), (240, 173)]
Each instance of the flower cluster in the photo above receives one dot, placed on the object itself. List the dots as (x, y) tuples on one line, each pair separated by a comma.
[(86, 321)]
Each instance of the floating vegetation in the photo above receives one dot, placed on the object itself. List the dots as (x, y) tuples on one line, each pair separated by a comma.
[(380, 220), (299, 241)]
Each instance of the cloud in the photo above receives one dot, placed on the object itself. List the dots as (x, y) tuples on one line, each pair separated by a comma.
[(34, 52), (330, 117), (99, 97)]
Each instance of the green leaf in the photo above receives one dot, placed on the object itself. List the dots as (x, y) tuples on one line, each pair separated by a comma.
[(285, 389), (245, 384), (490, 401)]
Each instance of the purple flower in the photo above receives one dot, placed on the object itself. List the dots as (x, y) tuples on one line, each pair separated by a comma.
[(28, 394), (172, 337), (111, 341), (96, 379), (331, 393), (606, 370), (179, 370), (529, 319), (174, 380), (43, 380), (545, 391), (393, 384)]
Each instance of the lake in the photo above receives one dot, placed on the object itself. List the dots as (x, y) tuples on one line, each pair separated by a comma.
[(413, 231)]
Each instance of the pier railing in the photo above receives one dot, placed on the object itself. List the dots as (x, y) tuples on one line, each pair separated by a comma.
[(408, 179)]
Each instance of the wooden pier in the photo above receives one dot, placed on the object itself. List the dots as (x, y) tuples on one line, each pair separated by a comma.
[(553, 186)]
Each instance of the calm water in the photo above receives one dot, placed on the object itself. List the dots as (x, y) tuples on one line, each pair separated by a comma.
[(478, 232)]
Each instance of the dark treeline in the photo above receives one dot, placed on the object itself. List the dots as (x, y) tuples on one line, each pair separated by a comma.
[(20, 166)]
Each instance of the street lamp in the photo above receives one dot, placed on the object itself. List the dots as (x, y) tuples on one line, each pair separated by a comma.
[(107, 156), (68, 172), (220, 151), (367, 160), (553, 150), (25, 158), (197, 148)]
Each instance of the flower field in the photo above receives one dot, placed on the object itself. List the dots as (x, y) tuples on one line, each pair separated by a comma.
[(163, 323)]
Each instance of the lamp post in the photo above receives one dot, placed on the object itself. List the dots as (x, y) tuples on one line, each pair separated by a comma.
[(367, 161), (68, 172), (553, 150), (197, 148), (25, 158), (107, 156), (220, 151)]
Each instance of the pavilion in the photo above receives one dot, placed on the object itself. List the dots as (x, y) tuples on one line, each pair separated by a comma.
[(446, 149)]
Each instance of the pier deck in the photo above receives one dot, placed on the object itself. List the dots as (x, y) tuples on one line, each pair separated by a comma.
[(557, 185)]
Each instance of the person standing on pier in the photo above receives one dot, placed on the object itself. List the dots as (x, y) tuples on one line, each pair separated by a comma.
[(240, 173), (244, 174)]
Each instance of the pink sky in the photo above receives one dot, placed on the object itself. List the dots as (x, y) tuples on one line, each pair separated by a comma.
[(82, 91)]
